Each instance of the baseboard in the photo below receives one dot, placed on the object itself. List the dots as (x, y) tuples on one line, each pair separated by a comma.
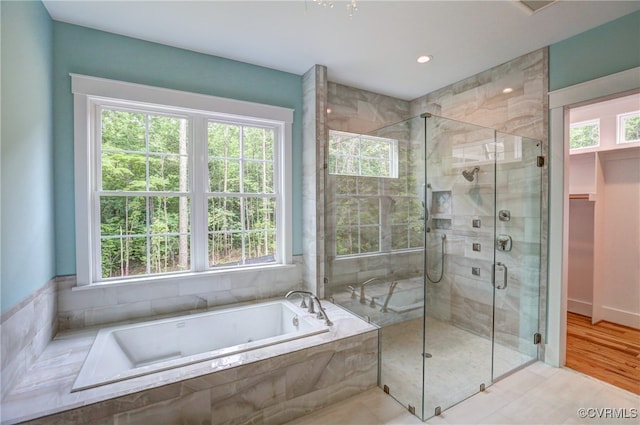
[(621, 317), (580, 307)]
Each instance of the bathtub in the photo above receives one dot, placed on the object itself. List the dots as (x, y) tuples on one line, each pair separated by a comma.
[(127, 351), (406, 300)]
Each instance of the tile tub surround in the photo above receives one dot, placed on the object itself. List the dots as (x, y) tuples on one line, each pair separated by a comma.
[(269, 385), (25, 331), (80, 307)]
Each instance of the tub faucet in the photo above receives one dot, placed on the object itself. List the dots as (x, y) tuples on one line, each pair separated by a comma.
[(386, 301), (362, 285), (304, 294), (322, 314)]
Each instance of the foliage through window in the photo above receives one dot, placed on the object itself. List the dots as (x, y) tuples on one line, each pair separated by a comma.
[(242, 199), (629, 127), (584, 134), (143, 197), (145, 193), (175, 189), (377, 209), (360, 155)]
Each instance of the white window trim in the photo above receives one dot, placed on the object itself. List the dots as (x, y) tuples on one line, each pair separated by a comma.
[(87, 90), (621, 118)]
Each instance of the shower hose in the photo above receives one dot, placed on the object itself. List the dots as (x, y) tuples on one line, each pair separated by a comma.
[(441, 264)]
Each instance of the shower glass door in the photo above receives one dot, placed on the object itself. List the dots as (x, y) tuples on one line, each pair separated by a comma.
[(460, 188), (517, 252), (432, 233), (482, 280)]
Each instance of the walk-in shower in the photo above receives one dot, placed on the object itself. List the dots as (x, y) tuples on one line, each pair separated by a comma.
[(457, 306)]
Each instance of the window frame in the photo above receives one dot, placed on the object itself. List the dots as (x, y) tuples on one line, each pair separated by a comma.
[(621, 119), (91, 92)]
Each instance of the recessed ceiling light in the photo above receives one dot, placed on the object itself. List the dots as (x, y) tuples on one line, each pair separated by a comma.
[(329, 110), (507, 90), (424, 58)]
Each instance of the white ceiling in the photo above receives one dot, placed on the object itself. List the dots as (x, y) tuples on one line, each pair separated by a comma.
[(374, 50)]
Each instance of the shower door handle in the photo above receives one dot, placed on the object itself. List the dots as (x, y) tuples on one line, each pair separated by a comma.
[(504, 275)]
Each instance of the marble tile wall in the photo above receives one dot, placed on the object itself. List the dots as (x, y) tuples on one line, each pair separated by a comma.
[(314, 103), (359, 111), (80, 307), (524, 111), (25, 331)]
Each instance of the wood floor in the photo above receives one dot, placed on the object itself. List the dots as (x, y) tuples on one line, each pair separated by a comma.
[(605, 351)]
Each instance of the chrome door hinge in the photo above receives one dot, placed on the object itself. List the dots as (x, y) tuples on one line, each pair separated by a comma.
[(540, 162)]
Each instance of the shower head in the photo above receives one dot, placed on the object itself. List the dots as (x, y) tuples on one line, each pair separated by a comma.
[(470, 174)]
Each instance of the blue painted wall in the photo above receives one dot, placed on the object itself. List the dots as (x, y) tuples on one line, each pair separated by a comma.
[(604, 50), (85, 51), (26, 157)]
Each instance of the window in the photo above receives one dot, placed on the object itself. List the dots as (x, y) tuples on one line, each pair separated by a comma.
[(365, 171), (172, 182), (359, 155), (142, 189), (584, 134), (357, 216), (629, 127)]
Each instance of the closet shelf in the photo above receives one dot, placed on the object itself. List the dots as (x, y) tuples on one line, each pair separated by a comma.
[(583, 196)]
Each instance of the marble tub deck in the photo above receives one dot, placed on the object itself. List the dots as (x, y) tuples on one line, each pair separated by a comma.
[(46, 387)]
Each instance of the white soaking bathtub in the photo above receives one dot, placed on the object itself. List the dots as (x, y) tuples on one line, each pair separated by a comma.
[(127, 351)]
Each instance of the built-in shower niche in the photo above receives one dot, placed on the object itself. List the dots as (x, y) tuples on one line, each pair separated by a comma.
[(441, 209)]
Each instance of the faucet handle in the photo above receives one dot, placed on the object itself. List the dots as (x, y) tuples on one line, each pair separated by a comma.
[(311, 309), (353, 292), (303, 304)]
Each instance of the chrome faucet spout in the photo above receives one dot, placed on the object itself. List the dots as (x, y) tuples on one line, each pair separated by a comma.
[(386, 301), (303, 304), (322, 314), (362, 285)]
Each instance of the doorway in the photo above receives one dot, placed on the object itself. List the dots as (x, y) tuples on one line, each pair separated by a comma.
[(603, 292)]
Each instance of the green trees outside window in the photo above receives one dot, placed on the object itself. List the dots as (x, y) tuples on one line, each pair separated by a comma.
[(145, 193), (584, 134)]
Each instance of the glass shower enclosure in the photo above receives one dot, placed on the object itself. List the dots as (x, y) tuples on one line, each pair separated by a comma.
[(433, 234)]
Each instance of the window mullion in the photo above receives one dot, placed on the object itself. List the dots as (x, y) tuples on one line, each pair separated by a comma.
[(243, 199), (96, 158), (199, 158)]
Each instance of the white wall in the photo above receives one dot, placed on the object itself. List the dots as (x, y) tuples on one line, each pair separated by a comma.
[(580, 291), (621, 238)]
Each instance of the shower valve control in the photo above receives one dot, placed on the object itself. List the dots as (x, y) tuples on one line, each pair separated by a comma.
[(504, 215), (476, 246), (476, 223), (504, 243)]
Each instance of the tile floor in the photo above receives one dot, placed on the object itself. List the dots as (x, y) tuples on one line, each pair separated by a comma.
[(460, 361), (538, 394)]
